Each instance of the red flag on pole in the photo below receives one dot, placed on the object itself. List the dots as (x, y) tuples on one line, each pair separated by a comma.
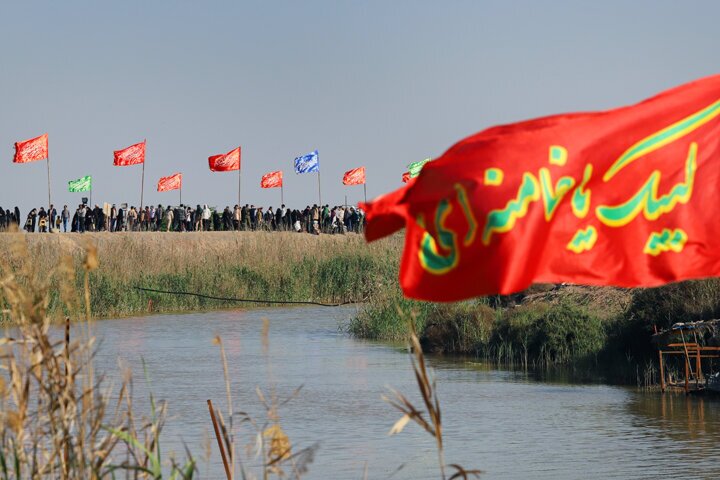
[(173, 182), (406, 177), (356, 176), (225, 163), (31, 150), (272, 180), (132, 155), (622, 197)]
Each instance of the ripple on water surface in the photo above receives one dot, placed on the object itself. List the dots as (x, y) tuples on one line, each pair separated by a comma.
[(505, 423)]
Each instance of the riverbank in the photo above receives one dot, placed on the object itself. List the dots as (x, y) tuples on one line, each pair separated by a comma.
[(258, 265), (605, 331), (601, 333)]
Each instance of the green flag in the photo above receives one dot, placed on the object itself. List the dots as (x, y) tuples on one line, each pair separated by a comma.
[(81, 184), (414, 168)]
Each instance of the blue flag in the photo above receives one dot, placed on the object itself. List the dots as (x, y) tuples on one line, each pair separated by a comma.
[(308, 163)]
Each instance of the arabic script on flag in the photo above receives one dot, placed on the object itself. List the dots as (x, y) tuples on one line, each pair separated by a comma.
[(132, 155), (31, 150), (356, 176), (272, 180), (623, 197), (172, 182), (226, 162)]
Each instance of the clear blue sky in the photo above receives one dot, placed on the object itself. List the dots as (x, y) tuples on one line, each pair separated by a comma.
[(379, 84)]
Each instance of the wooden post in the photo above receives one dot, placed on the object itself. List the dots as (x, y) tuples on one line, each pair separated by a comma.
[(662, 373), (219, 440), (67, 344), (687, 375), (698, 366)]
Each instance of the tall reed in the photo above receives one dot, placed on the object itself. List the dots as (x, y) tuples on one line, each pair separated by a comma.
[(429, 416), (57, 419), (258, 265)]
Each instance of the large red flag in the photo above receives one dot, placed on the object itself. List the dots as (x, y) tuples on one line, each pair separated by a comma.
[(173, 182), (225, 163), (356, 176), (623, 197), (31, 150), (272, 180), (132, 155)]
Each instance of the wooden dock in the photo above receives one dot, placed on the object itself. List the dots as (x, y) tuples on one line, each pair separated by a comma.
[(689, 342)]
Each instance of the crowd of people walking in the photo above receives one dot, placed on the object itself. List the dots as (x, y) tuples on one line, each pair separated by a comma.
[(182, 218)]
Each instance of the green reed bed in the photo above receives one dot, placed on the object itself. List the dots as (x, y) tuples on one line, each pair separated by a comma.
[(606, 331), (60, 419), (251, 265)]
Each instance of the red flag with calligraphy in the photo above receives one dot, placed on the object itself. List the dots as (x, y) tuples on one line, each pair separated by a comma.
[(406, 177), (272, 180), (623, 197), (225, 163), (132, 155), (356, 176), (31, 150), (173, 182)]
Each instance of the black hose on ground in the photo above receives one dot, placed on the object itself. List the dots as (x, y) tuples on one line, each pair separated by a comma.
[(245, 300)]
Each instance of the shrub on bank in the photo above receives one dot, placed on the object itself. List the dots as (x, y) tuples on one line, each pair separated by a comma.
[(606, 330)]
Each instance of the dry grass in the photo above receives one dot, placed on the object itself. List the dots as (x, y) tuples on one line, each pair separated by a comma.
[(56, 417), (273, 266), (428, 418), (167, 252), (268, 450)]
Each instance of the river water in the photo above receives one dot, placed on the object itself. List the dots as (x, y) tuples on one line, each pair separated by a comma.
[(506, 423)]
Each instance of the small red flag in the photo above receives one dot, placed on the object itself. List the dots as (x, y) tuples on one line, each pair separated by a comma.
[(406, 177), (31, 150), (173, 182), (272, 180), (132, 155), (356, 176), (225, 163), (621, 197)]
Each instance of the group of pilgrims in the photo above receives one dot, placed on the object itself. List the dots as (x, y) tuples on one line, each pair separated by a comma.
[(183, 218)]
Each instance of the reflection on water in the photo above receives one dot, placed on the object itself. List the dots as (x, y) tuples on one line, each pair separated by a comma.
[(507, 423)]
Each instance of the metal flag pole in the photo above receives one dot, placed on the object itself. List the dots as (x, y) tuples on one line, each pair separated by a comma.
[(48, 172), (365, 191), (180, 189), (239, 185), (91, 193), (142, 184), (319, 194), (282, 195)]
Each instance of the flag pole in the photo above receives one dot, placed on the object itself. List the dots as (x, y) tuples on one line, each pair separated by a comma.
[(180, 189), (319, 194), (239, 185), (48, 172), (282, 195), (142, 185), (365, 191)]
